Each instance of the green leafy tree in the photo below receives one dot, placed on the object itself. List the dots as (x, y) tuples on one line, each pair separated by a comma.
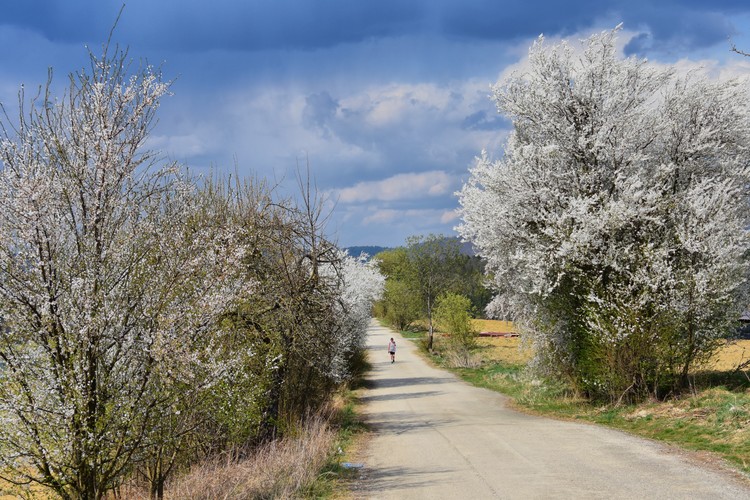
[(425, 268), (453, 316), (433, 270), (401, 306), (394, 264)]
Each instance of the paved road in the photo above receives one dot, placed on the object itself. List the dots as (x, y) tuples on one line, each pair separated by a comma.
[(437, 437)]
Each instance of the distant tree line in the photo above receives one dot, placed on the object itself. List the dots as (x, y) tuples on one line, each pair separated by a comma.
[(424, 272)]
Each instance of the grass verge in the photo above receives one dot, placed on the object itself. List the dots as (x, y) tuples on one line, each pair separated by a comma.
[(335, 478), (714, 417), (307, 463), (281, 469)]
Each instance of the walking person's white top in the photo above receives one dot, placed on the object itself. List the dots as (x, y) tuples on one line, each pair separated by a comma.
[(437, 437)]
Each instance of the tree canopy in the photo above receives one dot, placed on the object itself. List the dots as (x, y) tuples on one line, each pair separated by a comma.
[(420, 272), (615, 225), (150, 318)]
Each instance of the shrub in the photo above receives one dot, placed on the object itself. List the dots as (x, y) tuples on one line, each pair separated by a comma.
[(453, 315)]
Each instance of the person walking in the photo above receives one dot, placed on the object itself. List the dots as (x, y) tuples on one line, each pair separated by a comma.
[(392, 350)]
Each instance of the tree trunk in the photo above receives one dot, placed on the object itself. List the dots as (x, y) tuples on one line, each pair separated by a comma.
[(429, 322), (269, 427), (87, 474)]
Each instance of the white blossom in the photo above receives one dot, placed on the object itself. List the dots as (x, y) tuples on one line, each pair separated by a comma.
[(619, 207)]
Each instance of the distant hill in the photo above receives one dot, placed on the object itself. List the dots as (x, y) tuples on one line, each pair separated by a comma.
[(466, 248), (370, 250)]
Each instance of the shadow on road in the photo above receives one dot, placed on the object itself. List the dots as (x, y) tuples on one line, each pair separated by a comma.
[(385, 383), (398, 422), (388, 478), (405, 395)]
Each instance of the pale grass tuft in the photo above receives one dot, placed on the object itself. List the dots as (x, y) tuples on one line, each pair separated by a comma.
[(281, 469), (462, 358), (278, 470)]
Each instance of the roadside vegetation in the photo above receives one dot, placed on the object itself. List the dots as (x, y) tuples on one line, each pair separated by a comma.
[(161, 333), (612, 231), (614, 226), (713, 416), (306, 463)]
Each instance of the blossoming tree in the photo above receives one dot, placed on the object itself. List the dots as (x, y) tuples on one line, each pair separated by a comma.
[(104, 293), (615, 225)]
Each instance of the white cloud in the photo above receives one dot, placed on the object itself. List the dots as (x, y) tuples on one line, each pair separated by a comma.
[(382, 216), (727, 68), (399, 187), (449, 216), (414, 218), (396, 103), (738, 67), (184, 145)]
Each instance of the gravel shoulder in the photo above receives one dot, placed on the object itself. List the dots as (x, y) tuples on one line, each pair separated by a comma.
[(434, 436)]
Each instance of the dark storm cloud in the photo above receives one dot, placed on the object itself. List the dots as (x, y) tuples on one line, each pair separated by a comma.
[(640, 44), (668, 26), (219, 24), (71, 21), (676, 31), (320, 110), (378, 96), (513, 19), (279, 24), (294, 24)]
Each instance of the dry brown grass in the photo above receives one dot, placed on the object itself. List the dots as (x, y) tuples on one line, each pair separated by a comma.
[(510, 351), (462, 358), (730, 356), (282, 469), (493, 325), (505, 350), (10, 491), (513, 351), (279, 470)]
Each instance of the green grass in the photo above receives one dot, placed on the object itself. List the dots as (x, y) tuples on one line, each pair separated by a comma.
[(714, 418), (413, 335)]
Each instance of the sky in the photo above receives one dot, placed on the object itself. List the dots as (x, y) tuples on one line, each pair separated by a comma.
[(385, 102)]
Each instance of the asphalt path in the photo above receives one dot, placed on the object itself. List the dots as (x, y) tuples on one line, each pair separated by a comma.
[(435, 437)]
